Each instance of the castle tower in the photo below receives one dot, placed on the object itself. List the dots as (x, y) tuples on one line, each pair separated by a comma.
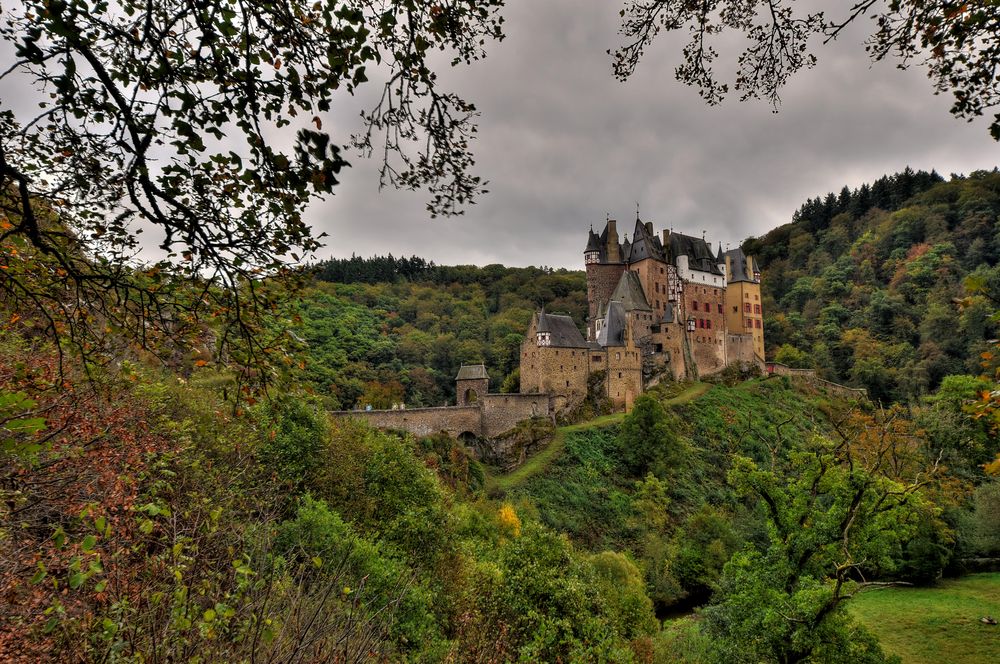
[(744, 311), (604, 263), (471, 384)]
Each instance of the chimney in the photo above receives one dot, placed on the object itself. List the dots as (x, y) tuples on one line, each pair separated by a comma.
[(614, 253), (666, 236), (649, 228)]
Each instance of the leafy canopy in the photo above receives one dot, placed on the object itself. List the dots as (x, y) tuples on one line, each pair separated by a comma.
[(204, 121)]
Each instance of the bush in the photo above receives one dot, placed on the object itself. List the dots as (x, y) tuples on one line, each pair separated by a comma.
[(295, 434)]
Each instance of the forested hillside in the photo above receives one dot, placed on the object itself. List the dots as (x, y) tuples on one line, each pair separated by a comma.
[(888, 286), (165, 507), (403, 339)]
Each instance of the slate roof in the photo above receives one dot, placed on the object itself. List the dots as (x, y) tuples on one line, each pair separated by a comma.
[(741, 266), (644, 245), (563, 331), (700, 256), (472, 372), (629, 292), (600, 244), (613, 332)]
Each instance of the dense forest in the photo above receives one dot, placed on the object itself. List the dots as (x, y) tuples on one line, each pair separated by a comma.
[(403, 340), (888, 286), (161, 508)]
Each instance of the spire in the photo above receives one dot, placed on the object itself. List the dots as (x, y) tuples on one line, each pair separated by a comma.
[(543, 322)]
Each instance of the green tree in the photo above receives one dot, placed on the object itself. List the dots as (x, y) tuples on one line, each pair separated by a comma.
[(205, 122), (837, 514), (648, 438)]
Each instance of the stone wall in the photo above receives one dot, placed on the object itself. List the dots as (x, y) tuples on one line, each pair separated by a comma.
[(557, 371), (469, 391), (502, 412), (670, 341), (708, 340), (742, 348), (453, 420), (491, 416), (624, 381)]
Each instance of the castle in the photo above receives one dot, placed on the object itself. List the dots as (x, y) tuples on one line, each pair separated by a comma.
[(656, 307)]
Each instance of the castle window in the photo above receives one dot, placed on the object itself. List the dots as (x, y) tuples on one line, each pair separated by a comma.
[(746, 296), (749, 322), (746, 307), (756, 308), (720, 308), (596, 358), (567, 383), (708, 323), (618, 356), (757, 324), (756, 297), (695, 305), (619, 374)]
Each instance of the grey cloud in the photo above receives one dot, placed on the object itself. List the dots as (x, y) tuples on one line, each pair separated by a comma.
[(563, 144)]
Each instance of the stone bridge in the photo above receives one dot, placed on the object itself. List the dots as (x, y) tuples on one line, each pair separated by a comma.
[(489, 417)]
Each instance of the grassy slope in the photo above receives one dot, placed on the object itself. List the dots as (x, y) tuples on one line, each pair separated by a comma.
[(936, 625), (541, 461), (580, 487)]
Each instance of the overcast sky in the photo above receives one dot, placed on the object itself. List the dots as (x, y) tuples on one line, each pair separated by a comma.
[(563, 144)]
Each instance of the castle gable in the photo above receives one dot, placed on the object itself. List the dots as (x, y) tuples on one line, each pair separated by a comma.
[(472, 372), (561, 330), (740, 266), (630, 293), (699, 254), (613, 332), (645, 244)]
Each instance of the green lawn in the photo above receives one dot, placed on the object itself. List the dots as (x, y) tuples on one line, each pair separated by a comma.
[(936, 625), (543, 458)]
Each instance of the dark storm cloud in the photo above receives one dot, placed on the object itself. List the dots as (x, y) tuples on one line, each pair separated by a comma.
[(563, 143)]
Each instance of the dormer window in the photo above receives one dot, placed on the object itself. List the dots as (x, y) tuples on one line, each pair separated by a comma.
[(590, 257), (544, 339), (756, 276)]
